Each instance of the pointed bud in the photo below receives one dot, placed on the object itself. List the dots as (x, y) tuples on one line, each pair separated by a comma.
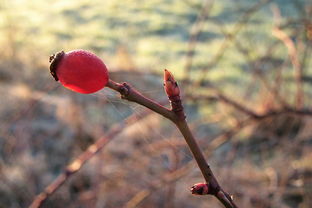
[(170, 85), (200, 189)]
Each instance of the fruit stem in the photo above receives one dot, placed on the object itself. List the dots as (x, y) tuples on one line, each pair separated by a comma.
[(129, 93)]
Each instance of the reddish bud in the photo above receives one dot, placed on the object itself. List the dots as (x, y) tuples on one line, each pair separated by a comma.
[(79, 70), (170, 85), (200, 189)]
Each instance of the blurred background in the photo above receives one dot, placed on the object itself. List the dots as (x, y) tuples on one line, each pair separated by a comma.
[(244, 68)]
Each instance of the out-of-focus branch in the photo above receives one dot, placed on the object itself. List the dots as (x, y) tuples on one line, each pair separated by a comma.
[(78, 163), (292, 52), (219, 96), (236, 105), (274, 89), (252, 114), (195, 33), (231, 36), (293, 55), (73, 168)]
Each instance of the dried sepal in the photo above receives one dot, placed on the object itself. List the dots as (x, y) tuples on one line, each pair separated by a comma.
[(170, 85), (55, 59), (200, 189)]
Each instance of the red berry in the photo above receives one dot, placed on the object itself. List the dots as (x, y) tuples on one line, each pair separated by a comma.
[(79, 70)]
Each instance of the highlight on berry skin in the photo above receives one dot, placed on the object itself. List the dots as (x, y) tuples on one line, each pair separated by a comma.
[(170, 85), (200, 189), (79, 70)]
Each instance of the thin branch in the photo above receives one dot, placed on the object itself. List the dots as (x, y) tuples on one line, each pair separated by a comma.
[(301, 112), (293, 55), (237, 105), (244, 109), (231, 36), (129, 93), (177, 116), (196, 31), (276, 88), (79, 162), (226, 100), (292, 52), (73, 168)]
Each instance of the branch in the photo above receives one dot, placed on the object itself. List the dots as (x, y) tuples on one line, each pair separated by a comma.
[(79, 162), (293, 55), (177, 116), (129, 93), (72, 168), (226, 100), (231, 36), (196, 31), (250, 113)]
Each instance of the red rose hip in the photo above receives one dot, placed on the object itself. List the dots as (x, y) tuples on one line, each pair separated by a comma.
[(79, 70)]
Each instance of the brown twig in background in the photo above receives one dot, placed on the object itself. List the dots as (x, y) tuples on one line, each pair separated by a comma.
[(252, 114), (292, 52), (231, 36), (274, 89), (219, 96), (236, 105), (73, 168), (78, 163), (171, 190), (293, 55), (195, 33)]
